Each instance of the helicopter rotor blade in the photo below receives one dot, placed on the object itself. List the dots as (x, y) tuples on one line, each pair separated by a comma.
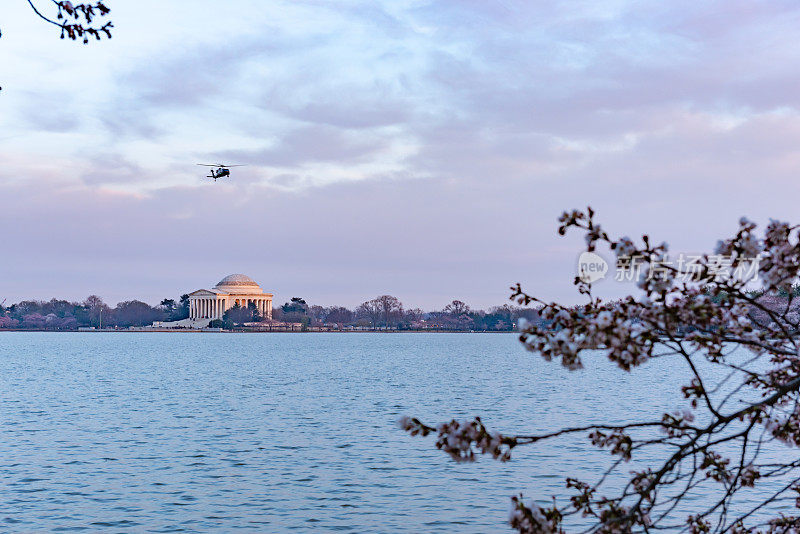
[(219, 165)]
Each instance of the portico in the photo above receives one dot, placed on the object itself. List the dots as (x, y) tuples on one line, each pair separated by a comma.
[(236, 289)]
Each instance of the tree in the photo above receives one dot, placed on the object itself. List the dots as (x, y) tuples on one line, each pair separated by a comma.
[(456, 308), (169, 306), (296, 305), (385, 309), (318, 314), (237, 315), (692, 314), (255, 316), (183, 309), (135, 313), (98, 311), (175, 311), (370, 311), (8, 322), (339, 315), (455, 316), (412, 318), (33, 320), (499, 317), (294, 311)]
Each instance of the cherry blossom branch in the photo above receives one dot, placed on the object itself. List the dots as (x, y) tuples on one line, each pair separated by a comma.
[(77, 20), (698, 319)]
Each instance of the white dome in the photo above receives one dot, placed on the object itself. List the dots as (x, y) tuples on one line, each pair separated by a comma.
[(237, 280), (238, 283)]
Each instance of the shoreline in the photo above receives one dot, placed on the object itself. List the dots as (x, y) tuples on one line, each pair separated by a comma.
[(211, 331)]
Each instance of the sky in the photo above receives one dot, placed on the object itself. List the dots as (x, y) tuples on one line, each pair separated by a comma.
[(422, 149)]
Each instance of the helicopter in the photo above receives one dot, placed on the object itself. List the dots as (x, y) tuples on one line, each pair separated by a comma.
[(221, 170)]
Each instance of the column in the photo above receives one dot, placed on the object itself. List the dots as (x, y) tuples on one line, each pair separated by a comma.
[(191, 309)]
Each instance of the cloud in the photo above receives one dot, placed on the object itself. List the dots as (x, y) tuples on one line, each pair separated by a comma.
[(51, 112), (308, 145), (111, 169)]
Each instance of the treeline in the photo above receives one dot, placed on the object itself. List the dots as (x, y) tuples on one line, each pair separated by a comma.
[(383, 312), (64, 315), (388, 312)]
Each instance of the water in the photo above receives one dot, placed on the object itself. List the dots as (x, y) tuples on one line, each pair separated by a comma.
[(157, 432)]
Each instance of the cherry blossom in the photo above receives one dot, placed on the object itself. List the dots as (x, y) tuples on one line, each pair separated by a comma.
[(693, 321)]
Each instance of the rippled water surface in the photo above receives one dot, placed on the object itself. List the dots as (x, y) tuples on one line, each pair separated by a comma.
[(165, 432)]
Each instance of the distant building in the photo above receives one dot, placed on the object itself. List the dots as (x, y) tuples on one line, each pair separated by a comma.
[(230, 291)]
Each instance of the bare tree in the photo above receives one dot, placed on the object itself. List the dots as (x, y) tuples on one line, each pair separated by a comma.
[(98, 311), (318, 314), (370, 310), (413, 315), (339, 315), (391, 309), (694, 314), (456, 308)]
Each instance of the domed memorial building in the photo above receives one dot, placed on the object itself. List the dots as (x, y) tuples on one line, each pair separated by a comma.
[(230, 291)]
